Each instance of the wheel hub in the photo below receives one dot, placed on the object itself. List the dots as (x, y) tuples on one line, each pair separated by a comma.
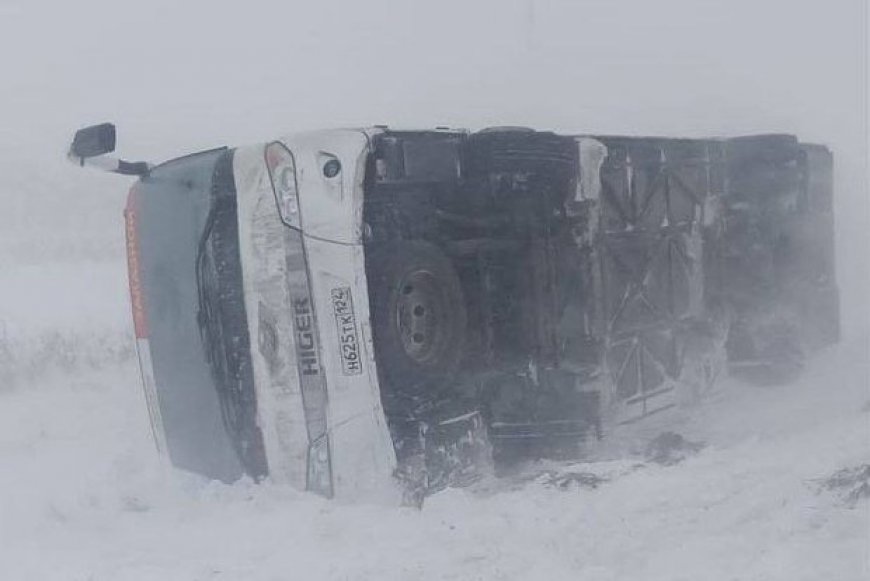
[(421, 316)]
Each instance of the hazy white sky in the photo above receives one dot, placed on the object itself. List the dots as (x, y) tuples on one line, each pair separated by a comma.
[(174, 70), (181, 75)]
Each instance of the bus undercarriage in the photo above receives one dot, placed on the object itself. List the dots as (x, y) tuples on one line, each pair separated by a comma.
[(557, 285)]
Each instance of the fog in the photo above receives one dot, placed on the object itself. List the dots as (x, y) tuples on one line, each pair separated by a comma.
[(176, 77)]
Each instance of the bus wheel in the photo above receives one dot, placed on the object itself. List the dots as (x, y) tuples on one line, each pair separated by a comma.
[(418, 316)]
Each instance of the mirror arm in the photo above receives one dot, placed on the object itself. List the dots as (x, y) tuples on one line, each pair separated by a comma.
[(112, 164), (133, 168)]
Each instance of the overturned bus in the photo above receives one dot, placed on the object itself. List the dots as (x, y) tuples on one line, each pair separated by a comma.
[(344, 310)]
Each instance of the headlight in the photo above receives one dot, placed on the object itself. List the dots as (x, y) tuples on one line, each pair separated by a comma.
[(319, 477), (282, 174)]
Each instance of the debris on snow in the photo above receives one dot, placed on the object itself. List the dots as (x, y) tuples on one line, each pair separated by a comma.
[(572, 480), (851, 485), (669, 448)]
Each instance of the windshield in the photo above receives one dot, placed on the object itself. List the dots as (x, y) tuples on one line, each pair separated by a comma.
[(185, 215)]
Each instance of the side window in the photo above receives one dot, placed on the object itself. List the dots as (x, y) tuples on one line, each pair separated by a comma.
[(431, 159), (418, 158)]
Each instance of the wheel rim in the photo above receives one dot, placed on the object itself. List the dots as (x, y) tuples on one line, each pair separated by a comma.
[(422, 316)]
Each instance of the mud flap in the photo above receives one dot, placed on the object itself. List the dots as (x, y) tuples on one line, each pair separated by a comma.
[(434, 455)]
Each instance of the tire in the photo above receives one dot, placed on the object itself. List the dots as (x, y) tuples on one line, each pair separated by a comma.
[(766, 352), (418, 316)]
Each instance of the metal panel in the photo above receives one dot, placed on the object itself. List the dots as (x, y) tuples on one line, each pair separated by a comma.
[(652, 208)]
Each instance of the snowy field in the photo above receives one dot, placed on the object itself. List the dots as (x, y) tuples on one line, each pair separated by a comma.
[(83, 495)]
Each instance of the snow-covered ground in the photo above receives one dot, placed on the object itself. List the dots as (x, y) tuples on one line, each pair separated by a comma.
[(83, 495), (61, 316)]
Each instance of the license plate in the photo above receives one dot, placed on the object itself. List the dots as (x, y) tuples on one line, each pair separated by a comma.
[(345, 322)]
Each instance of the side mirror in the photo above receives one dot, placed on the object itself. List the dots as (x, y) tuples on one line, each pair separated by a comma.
[(93, 141)]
